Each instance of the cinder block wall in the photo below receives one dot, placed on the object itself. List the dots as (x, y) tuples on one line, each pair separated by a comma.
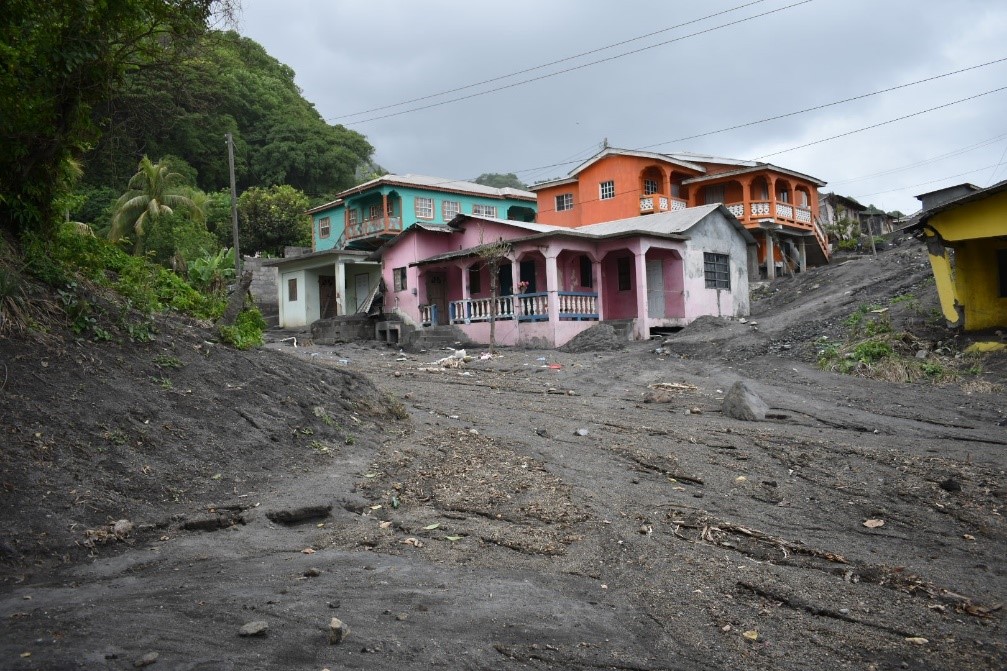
[(264, 289)]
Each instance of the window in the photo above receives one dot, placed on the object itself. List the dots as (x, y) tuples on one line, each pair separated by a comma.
[(586, 274), (1002, 268), (717, 270), (484, 210), (606, 190), (354, 216), (399, 278), (649, 186), (324, 227), (374, 212), (783, 196), (450, 208), (622, 268), (564, 201), (424, 207), (714, 194), (475, 281), (802, 199), (292, 289)]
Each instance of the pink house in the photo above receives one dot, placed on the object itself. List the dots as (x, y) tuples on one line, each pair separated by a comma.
[(656, 271)]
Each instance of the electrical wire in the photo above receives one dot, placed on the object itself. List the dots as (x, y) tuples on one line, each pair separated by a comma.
[(545, 65), (576, 67)]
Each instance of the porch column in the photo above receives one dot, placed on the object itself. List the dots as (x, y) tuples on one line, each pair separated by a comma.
[(466, 289), (515, 277), (598, 289), (552, 286), (642, 328), (803, 255), (340, 288), (384, 210), (771, 185), (746, 200), (770, 254)]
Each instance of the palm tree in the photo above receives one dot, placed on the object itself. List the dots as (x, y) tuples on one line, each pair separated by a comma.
[(153, 191)]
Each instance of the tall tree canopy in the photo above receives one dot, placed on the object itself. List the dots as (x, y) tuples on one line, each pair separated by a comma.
[(154, 192), (61, 59), (228, 84), (500, 180)]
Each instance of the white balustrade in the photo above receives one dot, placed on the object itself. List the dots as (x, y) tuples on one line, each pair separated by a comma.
[(784, 211), (646, 204), (737, 209), (760, 209), (663, 203), (677, 204), (578, 305), (804, 215)]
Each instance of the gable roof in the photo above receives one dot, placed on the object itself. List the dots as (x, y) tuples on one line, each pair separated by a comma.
[(438, 184), (982, 194), (614, 151), (672, 225), (754, 167)]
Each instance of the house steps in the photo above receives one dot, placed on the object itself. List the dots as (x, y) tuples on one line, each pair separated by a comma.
[(623, 327), (434, 338)]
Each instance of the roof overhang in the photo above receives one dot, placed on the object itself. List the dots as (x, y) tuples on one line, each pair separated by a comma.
[(758, 168)]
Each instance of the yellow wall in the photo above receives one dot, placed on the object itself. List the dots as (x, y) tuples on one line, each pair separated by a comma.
[(977, 283), (986, 218), (975, 231)]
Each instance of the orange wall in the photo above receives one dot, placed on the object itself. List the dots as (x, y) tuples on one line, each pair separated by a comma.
[(625, 171)]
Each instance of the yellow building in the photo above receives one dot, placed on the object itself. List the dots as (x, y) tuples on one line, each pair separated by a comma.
[(967, 242)]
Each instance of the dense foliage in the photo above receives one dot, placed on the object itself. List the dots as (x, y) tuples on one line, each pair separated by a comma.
[(226, 84), (272, 218), (500, 180), (61, 59)]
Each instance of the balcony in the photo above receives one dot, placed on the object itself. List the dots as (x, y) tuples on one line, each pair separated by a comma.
[(534, 307), (373, 228), (658, 202)]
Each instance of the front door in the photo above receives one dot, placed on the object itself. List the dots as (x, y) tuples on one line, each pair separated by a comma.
[(655, 289), (327, 304), (437, 295), (361, 289)]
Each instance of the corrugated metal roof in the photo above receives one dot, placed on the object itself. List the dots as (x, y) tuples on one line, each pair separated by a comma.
[(440, 184), (530, 226), (754, 168)]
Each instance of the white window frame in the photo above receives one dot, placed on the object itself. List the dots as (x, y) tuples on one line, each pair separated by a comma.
[(449, 209), (324, 227), (606, 190), (650, 186), (480, 210), (424, 207), (564, 201), (353, 216)]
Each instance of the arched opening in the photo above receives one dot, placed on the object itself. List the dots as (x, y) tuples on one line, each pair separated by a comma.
[(652, 181), (619, 284), (520, 213)]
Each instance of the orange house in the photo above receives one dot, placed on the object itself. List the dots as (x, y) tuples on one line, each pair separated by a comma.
[(777, 205)]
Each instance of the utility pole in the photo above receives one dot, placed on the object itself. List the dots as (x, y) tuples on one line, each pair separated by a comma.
[(234, 208)]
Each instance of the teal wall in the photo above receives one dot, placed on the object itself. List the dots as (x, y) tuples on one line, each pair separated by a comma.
[(405, 207)]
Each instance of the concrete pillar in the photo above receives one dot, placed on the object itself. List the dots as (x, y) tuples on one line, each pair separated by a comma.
[(770, 255), (803, 255), (642, 330), (340, 288), (552, 286), (596, 280)]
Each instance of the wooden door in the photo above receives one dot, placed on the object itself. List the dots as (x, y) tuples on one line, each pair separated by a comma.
[(655, 289), (437, 295), (327, 304)]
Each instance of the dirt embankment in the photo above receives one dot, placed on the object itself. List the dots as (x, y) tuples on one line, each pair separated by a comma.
[(536, 510)]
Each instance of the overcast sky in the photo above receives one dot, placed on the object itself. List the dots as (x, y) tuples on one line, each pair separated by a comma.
[(350, 57)]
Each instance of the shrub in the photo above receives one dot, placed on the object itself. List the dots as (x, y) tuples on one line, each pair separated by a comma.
[(246, 332)]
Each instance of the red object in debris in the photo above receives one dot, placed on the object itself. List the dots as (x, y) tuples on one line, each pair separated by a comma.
[(555, 366)]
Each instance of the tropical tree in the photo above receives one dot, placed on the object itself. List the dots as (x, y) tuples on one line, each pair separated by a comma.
[(500, 180), (272, 218), (153, 192)]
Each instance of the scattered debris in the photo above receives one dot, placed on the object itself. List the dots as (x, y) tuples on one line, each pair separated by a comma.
[(338, 631), (256, 628)]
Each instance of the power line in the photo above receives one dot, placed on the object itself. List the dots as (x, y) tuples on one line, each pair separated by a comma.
[(578, 67), (999, 163), (883, 123), (931, 181), (932, 159), (788, 114), (545, 65)]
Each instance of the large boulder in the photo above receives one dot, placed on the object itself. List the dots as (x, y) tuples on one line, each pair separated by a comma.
[(743, 403)]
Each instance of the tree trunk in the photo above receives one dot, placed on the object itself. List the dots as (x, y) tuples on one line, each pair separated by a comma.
[(236, 301)]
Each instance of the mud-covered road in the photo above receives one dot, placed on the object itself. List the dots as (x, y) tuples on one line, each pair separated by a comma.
[(550, 510)]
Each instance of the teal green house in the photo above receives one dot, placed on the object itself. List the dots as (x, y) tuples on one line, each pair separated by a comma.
[(370, 214), (337, 277)]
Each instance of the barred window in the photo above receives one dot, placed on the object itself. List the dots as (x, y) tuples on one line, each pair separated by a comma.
[(324, 227), (717, 270), (649, 186), (607, 189), (484, 210), (399, 278), (564, 201)]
